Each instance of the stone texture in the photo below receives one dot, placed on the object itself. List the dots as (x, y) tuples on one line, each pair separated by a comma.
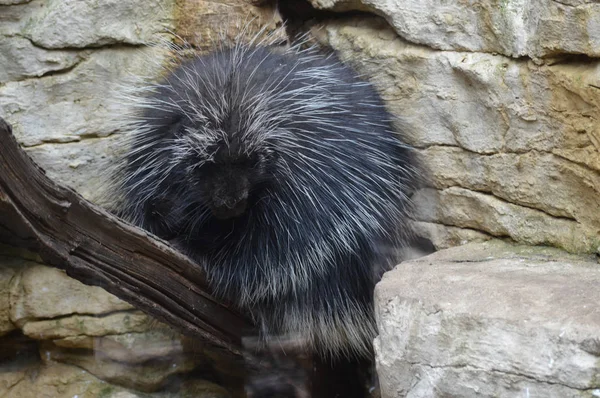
[(77, 164), (89, 23), (42, 292), (70, 107), (148, 376), (205, 23), (479, 211), (508, 143), (445, 236), (52, 381), (65, 326), (87, 327), (490, 320), (511, 27), (12, 2), (21, 59), (30, 379), (9, 268), (159, 343)]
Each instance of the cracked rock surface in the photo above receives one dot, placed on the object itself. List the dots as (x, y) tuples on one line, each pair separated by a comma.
[(501, 99), (490, 320), (85, 338), (512, 146), (516, 28)]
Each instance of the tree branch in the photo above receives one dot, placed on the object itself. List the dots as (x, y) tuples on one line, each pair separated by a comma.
[(99, 249)]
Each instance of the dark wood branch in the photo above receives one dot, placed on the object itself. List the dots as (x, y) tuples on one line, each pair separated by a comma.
[(99, 249)]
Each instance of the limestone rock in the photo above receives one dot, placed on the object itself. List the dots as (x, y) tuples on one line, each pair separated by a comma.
[(202, 389), (129, 347), (204, 23), (30, 379), (12, 2), (511, 27), (147, 376), (42, 292), (70, 107), (51, 381), (489, 320), (20, 59), (81, 325), (521, 140), (77, 164), (469, 209), (89, 23), (9, 267), (444, 236)]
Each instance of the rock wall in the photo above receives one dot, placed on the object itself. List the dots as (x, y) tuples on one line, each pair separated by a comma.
[(501, 98), (512, 145), (490, 320), (63, 333)]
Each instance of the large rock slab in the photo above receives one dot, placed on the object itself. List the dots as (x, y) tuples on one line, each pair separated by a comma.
[(490, 320), (21, 59), (148, 376), (508, 144), (41, 293), (30, 379), (511, 27), (89, 23)]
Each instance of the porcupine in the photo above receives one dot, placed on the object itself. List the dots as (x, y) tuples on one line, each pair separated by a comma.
[(280, 173)]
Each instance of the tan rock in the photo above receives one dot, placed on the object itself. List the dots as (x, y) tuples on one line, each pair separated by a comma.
[(490, 320), (51, 381), (533, 179), (469, 209), (523, 137), (509, 27), (204, 23), (147, 376), (27, 379), (443, 236), (82, 325), (203, 389), (43, 292), (130, 347), (71, 107), (9, 269), (88, 23), (20, 59)]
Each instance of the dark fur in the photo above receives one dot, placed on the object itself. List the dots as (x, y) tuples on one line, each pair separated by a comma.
[(282, 223)]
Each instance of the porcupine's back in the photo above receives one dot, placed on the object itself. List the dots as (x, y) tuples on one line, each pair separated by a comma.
[(279, 172)]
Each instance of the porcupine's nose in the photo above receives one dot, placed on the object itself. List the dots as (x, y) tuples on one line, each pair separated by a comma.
[(232, 206)]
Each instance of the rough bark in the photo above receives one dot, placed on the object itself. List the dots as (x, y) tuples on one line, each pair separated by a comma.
[(99, 249)]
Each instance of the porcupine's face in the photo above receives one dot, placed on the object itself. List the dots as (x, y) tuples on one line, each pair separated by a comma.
[(205, 142), (222, 172), (231, 181)]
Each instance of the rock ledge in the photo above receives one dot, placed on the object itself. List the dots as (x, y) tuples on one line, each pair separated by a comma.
[(490, 320)]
